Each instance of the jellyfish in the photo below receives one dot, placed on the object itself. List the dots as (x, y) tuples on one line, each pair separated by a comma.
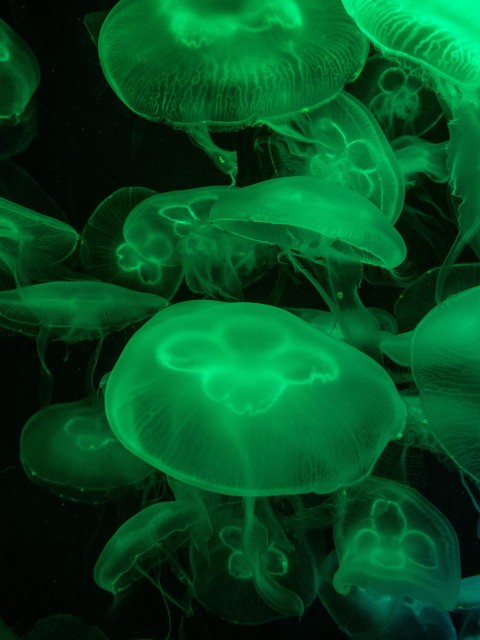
[(273, 576), (446, 370), (172, 231), (340, 142), (105, 253), (453, 67), (149, 541), (62, 626), (417, 156), (322, 223), (70, 448), (19, 79), (394, 541), (228, 66), (237, 381), (73, 311), (32, 245)]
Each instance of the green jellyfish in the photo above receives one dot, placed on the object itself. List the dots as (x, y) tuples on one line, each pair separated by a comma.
[(272, 575), (446, 370), (107, 255), (32, 245), (417, 156), (341, 142), (227, 384), (73, 311), (172, 230), (230, 65), (148, 541), (322, 223), (70, 448), (394, 541), (443, 44)]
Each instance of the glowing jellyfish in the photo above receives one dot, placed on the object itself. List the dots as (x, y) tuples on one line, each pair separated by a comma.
[(341, 142), (272, 576), (443, 42), (146, 541), (323, 223), (446, 370), (105, 254), (32, 245), (417, 156), (228, 66), (394, 541), (246, 399), (73, 311), (70, 448), (172, 230)]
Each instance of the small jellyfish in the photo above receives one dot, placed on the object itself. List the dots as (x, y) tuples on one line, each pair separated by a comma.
[(322, 223), (228, 66), (246, 399), (71, 449), (32, 245), (171, 231), (417, 156), (105, 253), (392, 540)]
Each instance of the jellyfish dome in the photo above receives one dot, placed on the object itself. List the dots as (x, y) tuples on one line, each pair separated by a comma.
[(247, 399)]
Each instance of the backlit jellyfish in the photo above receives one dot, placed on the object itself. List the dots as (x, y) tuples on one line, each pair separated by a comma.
[(230, 65), (19, 79), (394, 541), (150, 265), (253, 583), (322, 223), (398, 100), (239, 382), (73, 311), (70, 448), (368, 614), (172, 230), (417, 156), (145, 543), (446, 370), (443, 44), (32, 245), (341, 142), (419, 297)]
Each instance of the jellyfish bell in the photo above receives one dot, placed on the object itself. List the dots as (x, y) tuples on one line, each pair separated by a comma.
[(394, 541), (230, 66), (236, 381)]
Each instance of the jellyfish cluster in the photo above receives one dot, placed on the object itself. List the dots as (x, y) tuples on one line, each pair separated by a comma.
[(240, 319)]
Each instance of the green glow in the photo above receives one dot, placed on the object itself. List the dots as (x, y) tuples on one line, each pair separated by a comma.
[(394, 541), (226, 382)]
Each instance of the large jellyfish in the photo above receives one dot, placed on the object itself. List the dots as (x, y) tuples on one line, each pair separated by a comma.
[(246, 399), (228, 65), (394, 541), (171, 231)]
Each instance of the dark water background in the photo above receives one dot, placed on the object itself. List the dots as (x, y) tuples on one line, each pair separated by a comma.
[(87, 145)]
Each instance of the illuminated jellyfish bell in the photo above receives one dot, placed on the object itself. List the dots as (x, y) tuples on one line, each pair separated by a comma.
[(70, 448), (228, 65), (32, 245), (368, 614), (419, 297), (148, 262), (252, 583), (443, 44), (393, 541), (341, 142), (246, 399), (148, 540), (19, 79), (173, 230), (446, 370), (322, 223)]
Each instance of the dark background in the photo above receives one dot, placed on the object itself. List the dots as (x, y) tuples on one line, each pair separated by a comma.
[(87, 145)]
